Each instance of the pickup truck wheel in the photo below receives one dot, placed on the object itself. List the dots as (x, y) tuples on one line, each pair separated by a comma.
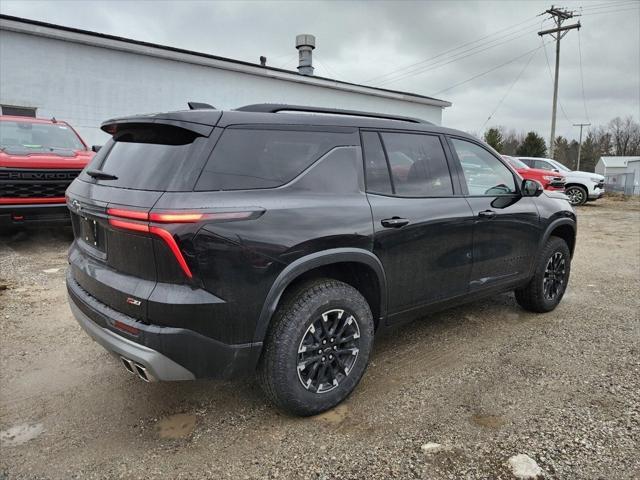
[(577, 195), (545, 290), (317, 348)]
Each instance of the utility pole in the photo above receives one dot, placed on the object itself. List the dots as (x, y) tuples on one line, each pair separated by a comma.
[(580, 141), (559, 15)]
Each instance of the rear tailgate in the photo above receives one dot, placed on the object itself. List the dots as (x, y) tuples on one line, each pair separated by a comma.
[(118, 257), (115, 266)]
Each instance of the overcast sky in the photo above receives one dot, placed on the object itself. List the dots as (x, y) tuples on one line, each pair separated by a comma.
[(393, 45)]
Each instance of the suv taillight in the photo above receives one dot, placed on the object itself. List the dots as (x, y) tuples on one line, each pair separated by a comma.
[(143, 222)]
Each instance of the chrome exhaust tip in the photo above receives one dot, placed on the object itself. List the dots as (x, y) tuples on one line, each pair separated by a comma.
[(143, 374), (136, 369), (128, 365)]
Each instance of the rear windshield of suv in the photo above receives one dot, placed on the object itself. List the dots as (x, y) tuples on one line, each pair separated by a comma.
[(265, 158), (157, 157)]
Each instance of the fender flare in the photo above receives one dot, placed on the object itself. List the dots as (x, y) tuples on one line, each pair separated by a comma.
[(309, 262), (555, 224)]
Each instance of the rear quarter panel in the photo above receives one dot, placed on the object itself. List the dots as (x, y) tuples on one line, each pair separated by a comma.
[(323, 208)]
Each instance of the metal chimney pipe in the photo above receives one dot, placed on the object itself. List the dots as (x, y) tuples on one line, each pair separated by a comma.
[(305, 44)]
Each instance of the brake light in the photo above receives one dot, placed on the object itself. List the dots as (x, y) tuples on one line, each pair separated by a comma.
[(175, 217), (173, 246), (192, 217), (135, 214), (136, 227)]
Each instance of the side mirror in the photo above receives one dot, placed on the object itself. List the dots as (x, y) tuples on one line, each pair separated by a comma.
[(96, 148), (531, 188)]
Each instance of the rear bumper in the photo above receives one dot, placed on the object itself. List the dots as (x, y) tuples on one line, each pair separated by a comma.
[(167, 353), (34, 215), (159, 366)]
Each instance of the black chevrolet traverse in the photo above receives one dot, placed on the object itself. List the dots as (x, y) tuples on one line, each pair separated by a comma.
[(281, 239)]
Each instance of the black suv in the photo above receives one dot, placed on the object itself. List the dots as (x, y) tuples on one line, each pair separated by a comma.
[(270, 238)]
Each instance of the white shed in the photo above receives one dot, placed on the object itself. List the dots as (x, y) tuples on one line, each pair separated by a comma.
[(86, 77), (613, 165), (633, 168)]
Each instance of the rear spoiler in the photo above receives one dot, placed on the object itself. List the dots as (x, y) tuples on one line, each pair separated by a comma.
[(113, 126)]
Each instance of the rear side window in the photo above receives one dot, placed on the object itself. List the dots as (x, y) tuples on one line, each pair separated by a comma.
[(263, 158), (377, 172), (418, 165), (151, 157)]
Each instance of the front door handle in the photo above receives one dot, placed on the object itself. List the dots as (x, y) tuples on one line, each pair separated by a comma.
[(395, 222), (487, 214)]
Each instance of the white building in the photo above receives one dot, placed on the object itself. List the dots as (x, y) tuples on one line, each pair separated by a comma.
[(613, 165), (85, 78), (633, 171), (622, 174)]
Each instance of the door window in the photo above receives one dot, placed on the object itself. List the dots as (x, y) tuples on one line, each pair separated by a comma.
[(483, 173), (418, 165), (377, 172), (543, 165)]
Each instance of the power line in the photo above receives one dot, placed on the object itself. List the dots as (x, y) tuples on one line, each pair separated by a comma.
[(584, 100), (509, 89), (622, 3), (326, 66), (291, 57), (460, 56), (591, 14), (419, 67), (401, 70), (486, 72)]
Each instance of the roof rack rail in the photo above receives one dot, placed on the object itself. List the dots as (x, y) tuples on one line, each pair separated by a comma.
[(281, 107)]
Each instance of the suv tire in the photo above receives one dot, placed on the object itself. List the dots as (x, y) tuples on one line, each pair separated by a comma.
[(549, 282), (323, 314), (577, 195)]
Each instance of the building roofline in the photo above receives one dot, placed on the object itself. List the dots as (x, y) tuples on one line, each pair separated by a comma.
[(36, 27)]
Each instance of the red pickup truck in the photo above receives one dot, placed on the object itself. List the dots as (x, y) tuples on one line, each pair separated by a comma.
[(38, 160), (548, 180)]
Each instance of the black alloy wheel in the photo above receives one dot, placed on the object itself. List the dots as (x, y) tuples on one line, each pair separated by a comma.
[(317, 347), (550, 278), (554, 276), (328, 351)]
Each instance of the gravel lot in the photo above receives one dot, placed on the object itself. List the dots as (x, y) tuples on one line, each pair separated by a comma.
[(485, 381)]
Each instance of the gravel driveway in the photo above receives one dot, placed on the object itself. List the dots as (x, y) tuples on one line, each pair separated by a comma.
[(486, 381)]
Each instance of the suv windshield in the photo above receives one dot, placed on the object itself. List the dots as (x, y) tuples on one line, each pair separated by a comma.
[(560, 166), (38, 136), (515, 163)]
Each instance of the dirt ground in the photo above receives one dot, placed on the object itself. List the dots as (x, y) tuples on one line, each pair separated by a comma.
[(485, 381)]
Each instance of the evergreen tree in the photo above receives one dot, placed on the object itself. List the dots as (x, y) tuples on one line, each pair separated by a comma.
[(493, 137), (532, 146), (561, 151)]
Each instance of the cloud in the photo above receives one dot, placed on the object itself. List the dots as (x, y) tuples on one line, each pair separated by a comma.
[(357, 41)]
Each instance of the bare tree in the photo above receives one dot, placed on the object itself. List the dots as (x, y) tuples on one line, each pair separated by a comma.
[(625, 136)]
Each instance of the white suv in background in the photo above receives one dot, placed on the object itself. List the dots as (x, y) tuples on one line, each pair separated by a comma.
[(581, 187)]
